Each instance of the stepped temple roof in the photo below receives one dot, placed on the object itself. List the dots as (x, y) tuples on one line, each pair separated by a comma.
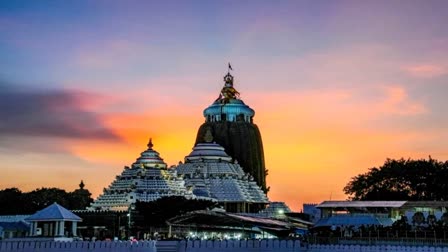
[(212, 173), (148, 179)]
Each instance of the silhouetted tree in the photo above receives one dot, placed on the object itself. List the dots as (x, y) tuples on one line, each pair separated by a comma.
[(13, 201), (43, 197), (401, 180)]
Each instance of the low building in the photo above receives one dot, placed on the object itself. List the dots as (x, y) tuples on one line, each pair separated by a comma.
[(209, 224), (312, 211), (380, 213), (53, 221), (13, 226)]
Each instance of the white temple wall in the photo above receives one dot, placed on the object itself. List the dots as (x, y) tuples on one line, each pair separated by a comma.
[(201, 246), (54, 246)]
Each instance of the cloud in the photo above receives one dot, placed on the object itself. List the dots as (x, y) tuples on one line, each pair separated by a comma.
[(28, 112), (426, 70)]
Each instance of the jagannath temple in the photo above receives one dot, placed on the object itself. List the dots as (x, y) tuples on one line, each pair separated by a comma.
[(231, 123), (226, 164)]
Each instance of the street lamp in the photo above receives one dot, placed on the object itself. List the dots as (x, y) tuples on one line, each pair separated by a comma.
[(129, 223)]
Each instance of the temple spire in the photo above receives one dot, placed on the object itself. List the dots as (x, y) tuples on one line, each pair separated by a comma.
[(81, 185), (150, 145)]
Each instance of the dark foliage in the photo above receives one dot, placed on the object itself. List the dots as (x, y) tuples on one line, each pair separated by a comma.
[(13, 201), (156, 213), (401, 180)]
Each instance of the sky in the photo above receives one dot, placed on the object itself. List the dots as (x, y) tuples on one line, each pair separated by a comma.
[(338, 86)]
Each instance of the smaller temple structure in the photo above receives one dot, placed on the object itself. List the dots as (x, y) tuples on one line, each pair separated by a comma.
[(13, 226), (148, 179), (53, 221), (214, 174)]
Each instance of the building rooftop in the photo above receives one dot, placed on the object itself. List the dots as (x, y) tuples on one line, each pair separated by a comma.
[(354, 220), (54, 212), (361, 204)]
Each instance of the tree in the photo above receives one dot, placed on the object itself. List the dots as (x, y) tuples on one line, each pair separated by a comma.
[(43, 197), (401, 180), (13, 201)]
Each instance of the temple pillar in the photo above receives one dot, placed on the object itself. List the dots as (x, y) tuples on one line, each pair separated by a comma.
[(56, 228), (74, 229), (61, 228), (31, 229), (51, 231)]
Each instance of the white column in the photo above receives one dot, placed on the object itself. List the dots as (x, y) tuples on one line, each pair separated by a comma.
[(56, 228), (74, 229), (35, 228), (61, 228), (51, 229), (31, 229)]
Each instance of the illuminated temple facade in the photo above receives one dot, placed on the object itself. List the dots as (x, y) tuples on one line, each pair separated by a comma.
[(148, 179)]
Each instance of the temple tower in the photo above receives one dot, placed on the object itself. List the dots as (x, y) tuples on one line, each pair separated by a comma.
[(148, 179), (231, 123)]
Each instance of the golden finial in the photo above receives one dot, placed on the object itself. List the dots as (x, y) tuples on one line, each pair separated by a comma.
[(150, 145)]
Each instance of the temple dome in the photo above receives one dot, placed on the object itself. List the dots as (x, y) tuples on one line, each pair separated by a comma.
[(150, 158), (208, 151), (228, 106), (234, 110)]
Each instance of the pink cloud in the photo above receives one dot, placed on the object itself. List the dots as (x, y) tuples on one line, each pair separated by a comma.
[(426, 70), (397, 102)]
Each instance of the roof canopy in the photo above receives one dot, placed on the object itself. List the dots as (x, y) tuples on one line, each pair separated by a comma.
[(213, 219), (356, 221), (381, 204), (359, 204), (54, 212)]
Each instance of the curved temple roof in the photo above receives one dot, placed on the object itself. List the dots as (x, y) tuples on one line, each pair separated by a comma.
[(211, 172)]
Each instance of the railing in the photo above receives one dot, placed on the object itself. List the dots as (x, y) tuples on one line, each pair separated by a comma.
[(409, 241)]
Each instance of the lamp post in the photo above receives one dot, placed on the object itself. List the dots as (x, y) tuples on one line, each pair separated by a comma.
[(131, 207), (129, 223)]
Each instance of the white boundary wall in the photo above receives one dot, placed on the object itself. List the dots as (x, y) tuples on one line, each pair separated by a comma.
[(202, 246), (374, 248), (240, 245), (55, 246)]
